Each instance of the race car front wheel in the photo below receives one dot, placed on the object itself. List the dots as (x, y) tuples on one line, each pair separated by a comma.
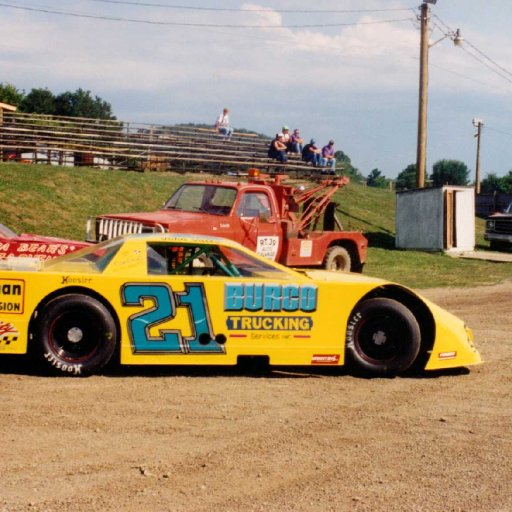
[(76, 335), (383, 337)]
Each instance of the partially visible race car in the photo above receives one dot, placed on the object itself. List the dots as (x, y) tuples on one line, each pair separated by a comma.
[(34, 246), (196, 300)]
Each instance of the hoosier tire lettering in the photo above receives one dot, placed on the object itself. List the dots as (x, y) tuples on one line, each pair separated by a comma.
[(383, 337), (75, 369)]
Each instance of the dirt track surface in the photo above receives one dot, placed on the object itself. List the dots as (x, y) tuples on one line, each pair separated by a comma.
[(293, 440)]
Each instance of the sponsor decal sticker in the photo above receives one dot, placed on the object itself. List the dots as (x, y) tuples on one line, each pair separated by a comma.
[(12, 295), (269, 323), (8, 333), (306, 248), (447, 355), (267, 246), (270, 297), (75, 280), (325, 359)]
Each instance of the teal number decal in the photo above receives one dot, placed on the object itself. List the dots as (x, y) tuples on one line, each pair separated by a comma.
[(163, 309), (194, 299)]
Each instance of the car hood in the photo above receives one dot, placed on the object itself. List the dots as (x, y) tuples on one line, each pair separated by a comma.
[(343, 277), (163, 217), (499, 215)]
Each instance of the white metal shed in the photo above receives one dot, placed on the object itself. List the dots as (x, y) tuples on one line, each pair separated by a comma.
[(436, 219)]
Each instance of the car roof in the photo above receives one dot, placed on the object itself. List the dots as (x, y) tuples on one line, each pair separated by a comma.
[(181, 238)]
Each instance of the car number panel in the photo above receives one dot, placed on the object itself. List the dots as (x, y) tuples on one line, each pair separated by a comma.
[(214, 322)]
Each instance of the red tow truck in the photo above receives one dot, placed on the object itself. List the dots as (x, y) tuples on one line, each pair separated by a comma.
[(266, 213)]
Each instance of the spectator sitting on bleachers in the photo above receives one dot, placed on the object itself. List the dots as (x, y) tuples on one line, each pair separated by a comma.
[(310, 153), (277, 149), (222, 124), (296, 142), (328, 158), (286, 137)]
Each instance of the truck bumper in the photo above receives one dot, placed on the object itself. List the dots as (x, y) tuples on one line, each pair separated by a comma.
[(498, 237)]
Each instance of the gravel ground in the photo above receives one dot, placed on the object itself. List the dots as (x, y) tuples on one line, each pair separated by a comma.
[(282, 440)]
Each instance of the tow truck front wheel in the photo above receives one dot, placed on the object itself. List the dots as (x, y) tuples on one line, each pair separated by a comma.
[(337, 259)]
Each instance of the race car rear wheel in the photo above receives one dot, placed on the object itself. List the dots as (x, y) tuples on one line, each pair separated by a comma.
[(337, 259), (383, 337), (75, 334)]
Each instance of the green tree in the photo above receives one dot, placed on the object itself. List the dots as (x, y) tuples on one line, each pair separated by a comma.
[(348, 169), (493, 183), (507, 182), (449, 172), (406, 180), (81, 104), (376, 179), (9, 94), (38, 101)]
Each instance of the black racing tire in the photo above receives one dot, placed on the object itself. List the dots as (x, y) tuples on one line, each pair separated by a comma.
[(383, 337), (337, 259), (76, 335)]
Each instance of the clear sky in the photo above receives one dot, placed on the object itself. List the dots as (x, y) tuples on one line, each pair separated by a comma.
[(351, 75)]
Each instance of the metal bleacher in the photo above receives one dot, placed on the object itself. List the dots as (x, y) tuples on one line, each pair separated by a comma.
[(113, 144)]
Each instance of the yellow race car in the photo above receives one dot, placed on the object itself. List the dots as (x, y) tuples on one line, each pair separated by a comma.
[(196, 300)]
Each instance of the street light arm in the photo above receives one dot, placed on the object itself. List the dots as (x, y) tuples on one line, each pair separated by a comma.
[(455, 37), (438, 41)]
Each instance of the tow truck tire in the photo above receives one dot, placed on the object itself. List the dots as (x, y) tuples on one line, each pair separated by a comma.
[(75, 335), (497, 245), (383, 337), (337, 259)]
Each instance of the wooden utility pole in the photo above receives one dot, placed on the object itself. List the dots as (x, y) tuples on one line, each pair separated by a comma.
[(479, 124), (421, 155)]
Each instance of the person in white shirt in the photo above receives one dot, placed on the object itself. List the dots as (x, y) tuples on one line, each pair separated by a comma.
[(222, 124)]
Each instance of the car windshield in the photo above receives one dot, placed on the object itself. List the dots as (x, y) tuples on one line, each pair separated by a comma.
[(212, 199), (249, 266), (508, 209), (208, 260), (97, 256)]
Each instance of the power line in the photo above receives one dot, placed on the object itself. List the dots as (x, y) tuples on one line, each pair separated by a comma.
[(465, 76), (487, 65), (201, 25), (497, 130), (222, 9), (477, 54), (489, 59)]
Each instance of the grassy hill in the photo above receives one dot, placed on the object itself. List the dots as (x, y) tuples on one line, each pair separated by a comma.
[(57, 201)]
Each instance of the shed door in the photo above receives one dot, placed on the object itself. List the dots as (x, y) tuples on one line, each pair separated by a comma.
[(450, 231)]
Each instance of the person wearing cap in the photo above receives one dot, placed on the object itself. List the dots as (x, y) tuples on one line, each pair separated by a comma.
[(310, 153), (286, 136), (222, 124), (277, 149), (296, 142), (328, 159)]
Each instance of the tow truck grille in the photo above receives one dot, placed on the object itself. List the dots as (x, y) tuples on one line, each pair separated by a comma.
[(110, 228)]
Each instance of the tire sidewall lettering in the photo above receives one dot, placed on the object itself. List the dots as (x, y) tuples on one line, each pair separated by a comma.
[(84, 310), (369, 311), (75, 369)]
